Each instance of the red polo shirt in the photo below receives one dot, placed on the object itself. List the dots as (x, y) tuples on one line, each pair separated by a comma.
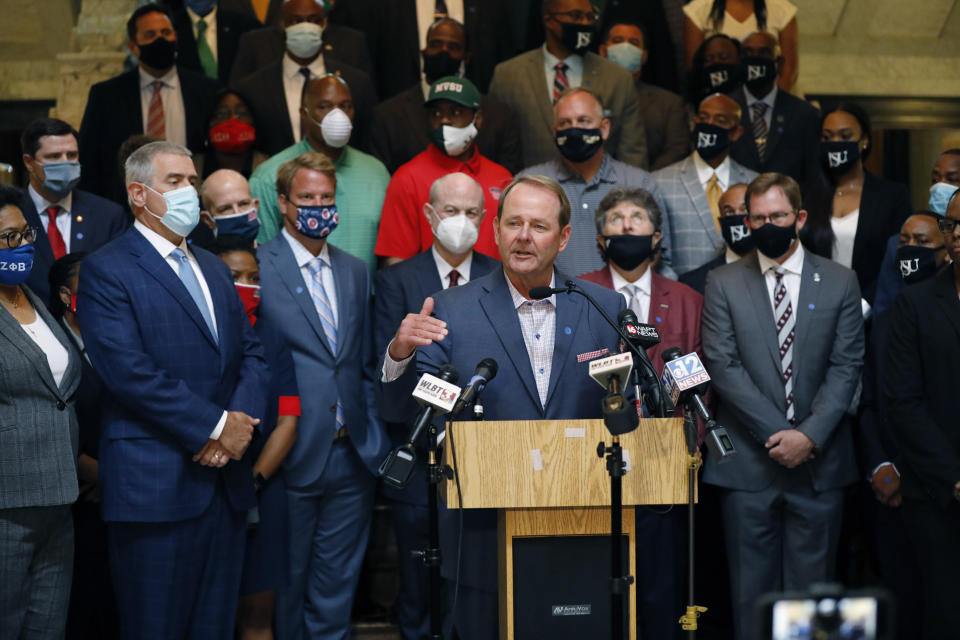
[(404, 229)]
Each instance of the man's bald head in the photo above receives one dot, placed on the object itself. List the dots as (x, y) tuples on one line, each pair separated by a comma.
[(226, 192), (295, 11), (445, 187), (762, 44), (720, 103)]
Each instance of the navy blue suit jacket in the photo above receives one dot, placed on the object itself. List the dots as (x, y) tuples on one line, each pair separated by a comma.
[(286, 303), (168, 380), (483, 323), (401, 289), (95, 222)]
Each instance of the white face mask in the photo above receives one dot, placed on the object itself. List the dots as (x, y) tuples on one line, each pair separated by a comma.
[(336, 128), (456, 140), (304, 39), (457, 233)]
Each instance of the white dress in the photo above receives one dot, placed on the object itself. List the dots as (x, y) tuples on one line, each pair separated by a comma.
[(779, 15)]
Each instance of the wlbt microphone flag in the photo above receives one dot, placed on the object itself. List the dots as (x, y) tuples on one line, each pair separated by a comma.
[(604, 369)]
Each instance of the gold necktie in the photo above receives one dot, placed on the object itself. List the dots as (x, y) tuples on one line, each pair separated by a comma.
[(260, 8), (714, 192)]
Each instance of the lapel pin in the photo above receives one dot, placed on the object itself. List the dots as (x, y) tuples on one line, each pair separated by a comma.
[(79, 218), (780, 117), (567, 330), (811, 306), (659, 319), (299, 289), (79, 236), (816, 277)]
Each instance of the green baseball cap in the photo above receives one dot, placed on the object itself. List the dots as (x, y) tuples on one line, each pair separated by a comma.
[(455, 89)]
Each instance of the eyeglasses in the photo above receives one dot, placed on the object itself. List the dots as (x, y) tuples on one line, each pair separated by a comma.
[(578, 16), (636, 218), (13, 239), (776, 218), (947, 225)]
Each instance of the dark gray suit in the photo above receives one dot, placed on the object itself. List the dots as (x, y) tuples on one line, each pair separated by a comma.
[(521, 83), (38, 480), (782, 524), (665, 124)]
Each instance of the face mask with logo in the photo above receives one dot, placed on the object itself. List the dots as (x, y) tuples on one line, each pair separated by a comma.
[(710, 140), (576, 37), (454, 140), (60, 177), (304, 39), (246, 224), (456, 233), (736, 233), (839, 157), (440, 65), (773, 241), (159, 54), (940, 194), (183, 209), (250, 297), (317, 222), (232, 136), (628, 251), (628, 56), (722, 78), (15, 264), (917, 263), (578, 145), (760, 74)]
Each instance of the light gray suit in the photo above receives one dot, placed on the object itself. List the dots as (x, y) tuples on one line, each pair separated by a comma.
[(782, 524), (521, 83), (695, 239), (38, 481)]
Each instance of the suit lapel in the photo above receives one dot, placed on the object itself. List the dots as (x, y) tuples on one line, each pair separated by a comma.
[(756, 286), (42, 244), (747, 142), (946, 294), (782, 112), (691, 182), (347, 302), (659, 313), (131, 96), (810, 285), (290, 274), (10, 328), (218, 296), (569, 318), (540, 96)]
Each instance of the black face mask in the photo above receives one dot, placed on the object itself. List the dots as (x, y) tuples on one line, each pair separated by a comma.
[(773, 241), (760, 74), (440, 65), (576, 37), (839, 157), (709, 140), (722, 78), (579, 145), (917, 263), (736, 233), (627, 251), (159, 54)]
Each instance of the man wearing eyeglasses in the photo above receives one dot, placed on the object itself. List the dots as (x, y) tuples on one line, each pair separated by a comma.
[(531, 83), (783, 341)]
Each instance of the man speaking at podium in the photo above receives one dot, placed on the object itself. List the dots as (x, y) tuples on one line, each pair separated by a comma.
[(536, 344)]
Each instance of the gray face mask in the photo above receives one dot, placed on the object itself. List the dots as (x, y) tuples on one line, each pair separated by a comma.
[(304, 39), (61, 177)]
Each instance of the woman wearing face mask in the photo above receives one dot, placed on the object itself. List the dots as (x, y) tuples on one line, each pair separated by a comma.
[(39, 377), (231, 138), (852, 212), (715, 68), (265, 561)]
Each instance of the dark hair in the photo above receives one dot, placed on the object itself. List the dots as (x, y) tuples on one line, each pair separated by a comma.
[(230, 243), (456, 23), (30, 138), (60, 274), (859, 114), (719, 9), (151, 7), (628, 23), (952, 152), (695, 89), (10, 196), (210, 163)]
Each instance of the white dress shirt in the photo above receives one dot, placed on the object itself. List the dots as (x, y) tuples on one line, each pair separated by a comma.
[(793, 266), (58, 358), (174, 113), (63, 216), (211, 34), (574, 70), (304, 258), (643, 285), (444, 268), (293, 87), (164, 247), (705, 171), (768, 100)]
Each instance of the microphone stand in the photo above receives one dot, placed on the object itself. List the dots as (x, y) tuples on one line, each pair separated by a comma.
[(431, 555), (688, 621)]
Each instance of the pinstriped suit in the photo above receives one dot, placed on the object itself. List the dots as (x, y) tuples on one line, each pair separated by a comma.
[(38, 480), (694, 237)]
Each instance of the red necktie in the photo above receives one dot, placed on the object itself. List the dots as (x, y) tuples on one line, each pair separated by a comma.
[(454, 278), (156, 122), (53, 234)]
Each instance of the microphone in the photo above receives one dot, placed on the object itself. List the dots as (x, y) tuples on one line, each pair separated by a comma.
[(437, 395), (611, 373), (539, 293), (485, 372), (685, 380), (641, 334)]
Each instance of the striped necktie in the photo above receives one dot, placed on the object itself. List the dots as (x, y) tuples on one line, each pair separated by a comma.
[(786, 322), (560, 81), (760, 128), (156, 125), (321, 302), (192, 284)]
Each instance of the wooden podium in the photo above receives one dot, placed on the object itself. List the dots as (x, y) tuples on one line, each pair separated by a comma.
[(546, 479)]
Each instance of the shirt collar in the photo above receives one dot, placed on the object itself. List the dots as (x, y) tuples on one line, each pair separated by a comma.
[(604, 173), (170, 79), (574, 61), (451, 165), (792, 265), (518, 298), (301, 254), (769, 99), (642, 283), (445, 267), (291, 68), (158, 242), (731, 256), (41, 203), (704, 170), (345, 159)]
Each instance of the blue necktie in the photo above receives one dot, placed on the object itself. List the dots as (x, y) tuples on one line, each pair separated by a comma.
[(325, 311), (189, 279)]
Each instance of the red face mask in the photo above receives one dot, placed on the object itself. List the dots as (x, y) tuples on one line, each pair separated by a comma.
[(250, 296), (232, 136)]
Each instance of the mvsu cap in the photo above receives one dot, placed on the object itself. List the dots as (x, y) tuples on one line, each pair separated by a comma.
[(455, 89)]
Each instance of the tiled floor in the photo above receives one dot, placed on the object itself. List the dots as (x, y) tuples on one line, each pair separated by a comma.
[(375, 631)]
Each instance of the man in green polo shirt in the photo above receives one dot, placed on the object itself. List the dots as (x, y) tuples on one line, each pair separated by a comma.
[(327, 113)]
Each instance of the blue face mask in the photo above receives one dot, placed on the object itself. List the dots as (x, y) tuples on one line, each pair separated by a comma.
[(940, 193), (201, 7), (628, 56), (317, 222), (183, 210), (61, 177), (246, 224), (15, 264)]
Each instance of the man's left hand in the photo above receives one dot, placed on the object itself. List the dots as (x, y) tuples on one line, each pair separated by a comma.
[(790, 447), (212, 455)]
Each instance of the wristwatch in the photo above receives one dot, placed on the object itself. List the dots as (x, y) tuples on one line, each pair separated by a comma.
[(258, 481)]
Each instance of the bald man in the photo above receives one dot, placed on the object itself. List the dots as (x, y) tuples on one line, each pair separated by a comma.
[(692, 188), (229, 206)]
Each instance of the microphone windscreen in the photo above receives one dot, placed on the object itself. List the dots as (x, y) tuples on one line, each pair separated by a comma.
[(671, 353), (627, 315), (487, 368), (539, 293), (449, 373)]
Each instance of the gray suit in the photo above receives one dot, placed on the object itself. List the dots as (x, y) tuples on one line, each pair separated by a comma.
[(782, 524), (38, 480), (665, 123), (521, 83), (695, 239)]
